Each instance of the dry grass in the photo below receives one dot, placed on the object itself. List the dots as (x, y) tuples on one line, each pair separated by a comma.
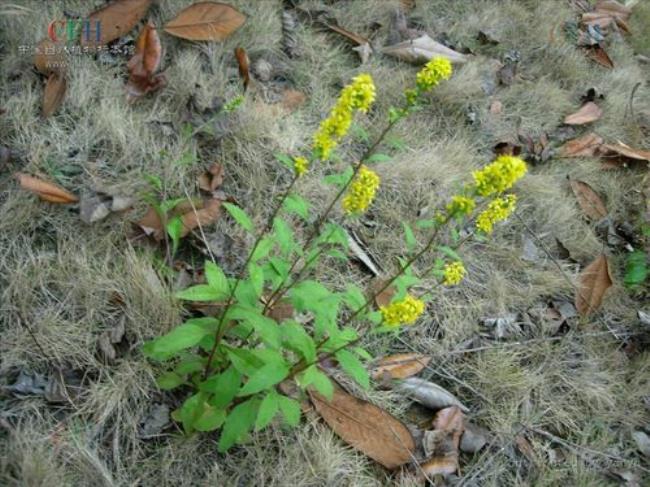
[(58, 276)]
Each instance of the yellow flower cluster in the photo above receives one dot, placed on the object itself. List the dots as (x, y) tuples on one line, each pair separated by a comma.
[(436, 70), (453, 273), (362, 191), (460, 206), (300, 165), (499, 175), (499, 209), (405, 311), (358, 95)]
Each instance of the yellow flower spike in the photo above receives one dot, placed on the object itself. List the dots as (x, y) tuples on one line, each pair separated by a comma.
[(403, 312), (498, 210), (358, 95), (435, 71), (461, 206), (361, 192), (499, 175), (300, 165), (453, 273)]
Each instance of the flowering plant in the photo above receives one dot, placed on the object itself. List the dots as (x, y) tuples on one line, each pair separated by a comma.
[(234, 362)]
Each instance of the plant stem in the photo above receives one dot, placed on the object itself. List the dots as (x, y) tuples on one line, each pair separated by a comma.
[(221, 328)]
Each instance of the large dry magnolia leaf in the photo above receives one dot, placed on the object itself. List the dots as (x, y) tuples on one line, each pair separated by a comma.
[(400, 366), (590, 112), (427, 393), (592, 205), (444, 441), (594, 281), (366, 427), (114, 20), (49, 57), (54, 93), (423, 49), (620, 149), (585, 146), (144, 63), (206, 21), (45, 190)]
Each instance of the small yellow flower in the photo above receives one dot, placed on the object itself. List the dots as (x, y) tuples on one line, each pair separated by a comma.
[(460, 206), (453, 273), (436, 70), (499, 175), (498, 210), (362, 191), (358, 95), (300, 165), (403, 312)]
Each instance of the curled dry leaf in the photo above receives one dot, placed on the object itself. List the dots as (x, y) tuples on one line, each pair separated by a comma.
[(208, 214), (599, 55), (423, 49), (243, 63), (54, 93), (113, 21), (594, 281), (427, 393), (622, 153), (585, 146), (45, 190), (49, 57), (607, 12), (590, 112), (592, 205), (205, 21), (144, 63), (400, 366), (192, 214), (366, 427), (442, 444), (212, 179)]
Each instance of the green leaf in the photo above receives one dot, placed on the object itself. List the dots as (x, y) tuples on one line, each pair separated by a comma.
[(360, 132), (246, 293), (190, 364), (409, 237), (297, 339), (240, 217), (283, 236), (449, 252), (224, 386), (191, 409), (267, 376), (378, 158), (201, 292), (337, 254), (256, 277), (362, 352), (210, 419), (339, 179), (263, 249), (298, 205), (174, 229), (314, 377), (285, 160), (636, 269), (425, 224), (217, 280), (184, 336), (266, 327), (208, 323), (354, 368), (244, 360), (238, 423), (169, 380), (167, 205), (354, 297), (268, 409), (290, 410)]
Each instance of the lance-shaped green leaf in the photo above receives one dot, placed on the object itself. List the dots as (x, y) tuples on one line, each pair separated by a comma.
[(240, 216), (238, 423), (269, 375)]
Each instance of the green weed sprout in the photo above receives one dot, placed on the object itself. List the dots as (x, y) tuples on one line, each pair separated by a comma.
[(234, 362)]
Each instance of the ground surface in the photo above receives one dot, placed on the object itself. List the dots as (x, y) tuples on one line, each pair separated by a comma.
[(61, 277)]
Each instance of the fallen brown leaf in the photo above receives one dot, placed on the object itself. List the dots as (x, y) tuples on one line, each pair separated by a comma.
[(622, 152), (524, 446), (243, 63), (585, 146), (281, 311), (366, 427), (384, 297), (144, 63), (114, 20), (400, 366), (45, 190), (444, 443), (205, 21), (423, 49), (151, 224), (427, 393), (211, 179), (49, 57), (589, 112), (54, 93), (594, 281), (201, 217), (350, 36), (599, 55), (592, 205)]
